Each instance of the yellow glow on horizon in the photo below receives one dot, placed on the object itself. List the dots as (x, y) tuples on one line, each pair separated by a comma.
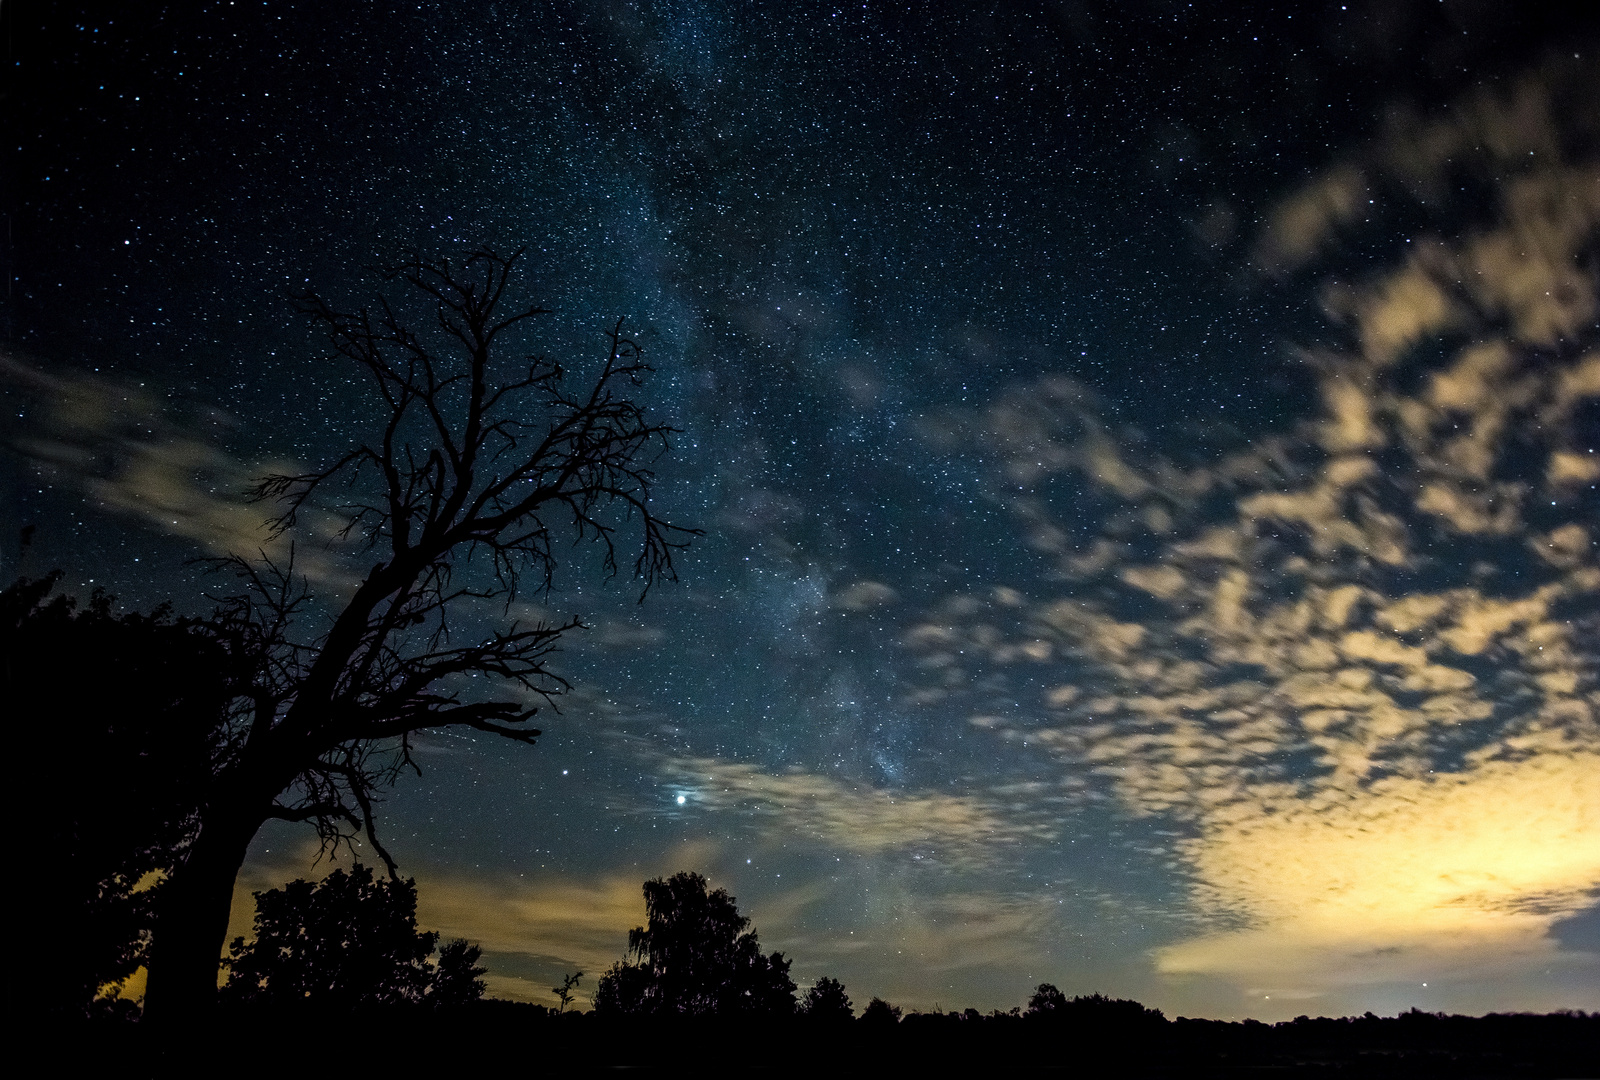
[(1480, 862)]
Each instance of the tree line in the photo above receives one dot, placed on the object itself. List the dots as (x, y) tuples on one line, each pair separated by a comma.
[(344, 957)]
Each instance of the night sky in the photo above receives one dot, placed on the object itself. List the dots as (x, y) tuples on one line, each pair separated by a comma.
[(1148, 453)]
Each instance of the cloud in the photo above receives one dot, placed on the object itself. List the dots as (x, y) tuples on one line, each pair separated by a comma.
[(161, 462), (1416, 879), (868, 927), (549, 925), (608, 633), (1567, 468), (864, 596), (1160, 581), (1329, 660), (1299, 225), (1336, 513), (916, 944), (957, 831), (1475, 513), (1401, 310), (136, 454), (1501, 128), (1026, 428), (1523, 268)]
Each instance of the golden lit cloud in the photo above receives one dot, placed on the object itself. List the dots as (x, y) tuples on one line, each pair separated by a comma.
[(913, 938), (558, 924), (1302, 222), (1410, 879)]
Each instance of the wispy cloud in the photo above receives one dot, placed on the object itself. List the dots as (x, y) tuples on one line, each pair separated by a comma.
[(957, 831), (535, 930), (917, 944), (138, 453), (163, 462)]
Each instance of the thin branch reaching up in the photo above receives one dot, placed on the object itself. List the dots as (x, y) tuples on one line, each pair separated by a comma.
[(475, 460)]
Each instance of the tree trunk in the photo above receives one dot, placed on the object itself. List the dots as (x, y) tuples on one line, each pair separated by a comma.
[(192, 923)]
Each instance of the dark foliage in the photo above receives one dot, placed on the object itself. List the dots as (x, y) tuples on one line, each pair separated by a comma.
[(119, 714), (1046, 1001), (880, 1014), (456, 981), (1049, 1005), (482, 464), (348, 943), (695, 958), (826, 1002)]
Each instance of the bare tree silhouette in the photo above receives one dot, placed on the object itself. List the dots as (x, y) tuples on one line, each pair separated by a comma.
[(480, 465)]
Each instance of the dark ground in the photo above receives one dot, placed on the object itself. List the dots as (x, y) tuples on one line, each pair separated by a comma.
[(522, 1039)]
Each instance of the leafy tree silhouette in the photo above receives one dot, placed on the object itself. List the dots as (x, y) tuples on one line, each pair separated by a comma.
[(349, 942), (827, 1002), (455, 979), (695, 958), (142, 732), (480, 464), (1046, 1001), (879, 1013)]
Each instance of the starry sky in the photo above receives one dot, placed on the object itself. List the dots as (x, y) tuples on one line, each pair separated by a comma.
[(1148, 453)]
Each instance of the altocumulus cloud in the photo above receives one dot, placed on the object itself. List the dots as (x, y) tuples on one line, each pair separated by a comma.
[(1352, 663)]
